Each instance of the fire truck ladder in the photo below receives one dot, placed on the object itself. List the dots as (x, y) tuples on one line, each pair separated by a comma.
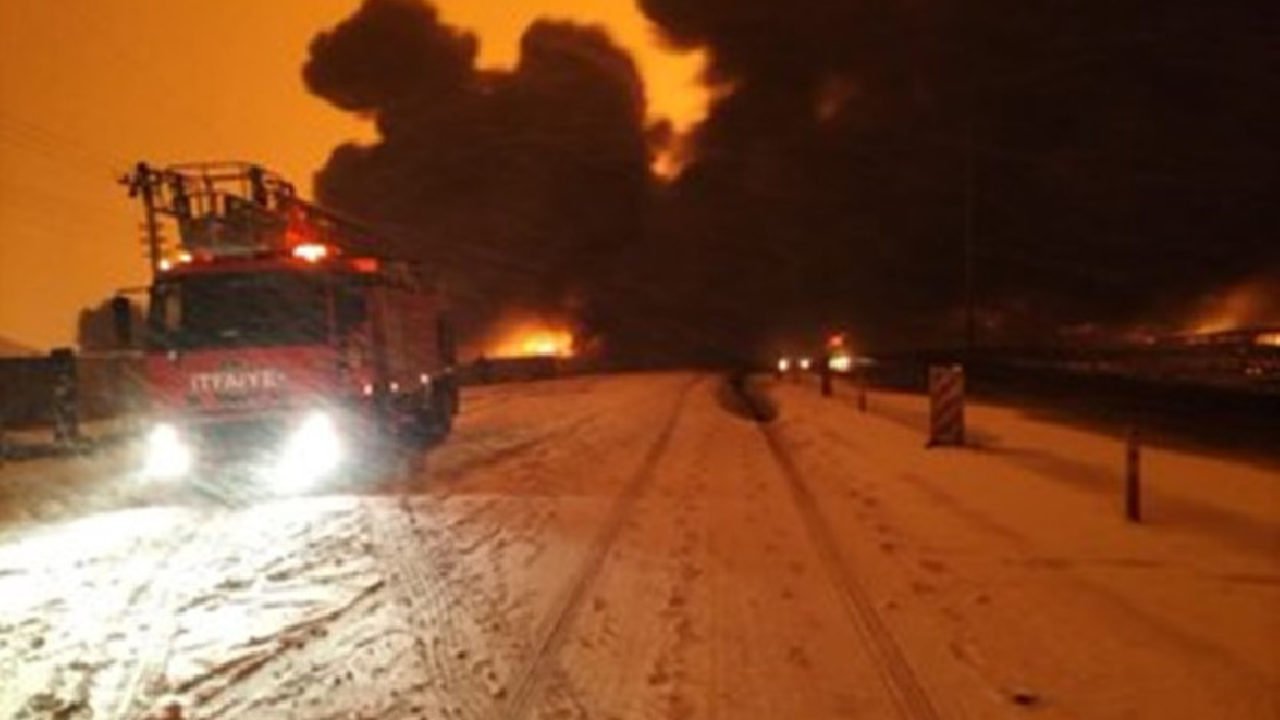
[(228, 208)]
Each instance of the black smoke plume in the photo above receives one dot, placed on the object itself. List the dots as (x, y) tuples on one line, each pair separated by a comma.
[(1111, 161), (522, 186), (1118, 156)]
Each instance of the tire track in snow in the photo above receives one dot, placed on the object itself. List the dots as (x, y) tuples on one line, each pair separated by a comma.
[(896, 673), (560, 620), (148, 661), (456, 474), (425, 576), (396, 533)]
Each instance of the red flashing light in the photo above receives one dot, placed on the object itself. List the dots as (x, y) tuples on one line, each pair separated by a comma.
[(835, 341), (365, 265), (296, 232)]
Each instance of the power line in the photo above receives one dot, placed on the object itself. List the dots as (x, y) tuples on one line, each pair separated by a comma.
[(63, 144)]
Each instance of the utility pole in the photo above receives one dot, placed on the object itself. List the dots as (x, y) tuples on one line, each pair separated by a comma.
[(970, 323)]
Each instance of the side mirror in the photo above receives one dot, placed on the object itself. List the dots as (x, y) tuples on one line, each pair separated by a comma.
[(122, 317)]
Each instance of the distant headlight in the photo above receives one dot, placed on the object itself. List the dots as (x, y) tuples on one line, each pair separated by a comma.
[(313, 450), (167, 456)]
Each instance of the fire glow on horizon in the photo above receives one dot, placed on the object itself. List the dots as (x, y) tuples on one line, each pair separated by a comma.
[(533, 339), (1245, 304)]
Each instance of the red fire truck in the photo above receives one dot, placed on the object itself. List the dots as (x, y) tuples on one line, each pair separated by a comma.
[(278, 332)]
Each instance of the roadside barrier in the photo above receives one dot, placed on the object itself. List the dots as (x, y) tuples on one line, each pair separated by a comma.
[(66, 416)]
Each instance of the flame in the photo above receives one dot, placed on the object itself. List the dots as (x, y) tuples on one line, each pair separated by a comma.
[(548, 343), (1254, 302), (1270, 339), (670, 155), (534, 340)]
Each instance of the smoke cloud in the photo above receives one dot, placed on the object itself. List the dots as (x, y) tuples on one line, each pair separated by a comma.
[(522, 186), (1120, 158), (1111, 162)]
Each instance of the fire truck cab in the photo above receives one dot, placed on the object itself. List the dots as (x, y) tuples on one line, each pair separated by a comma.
[(281, 334)]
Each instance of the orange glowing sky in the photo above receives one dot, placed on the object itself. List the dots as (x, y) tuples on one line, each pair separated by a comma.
[(87, 87)]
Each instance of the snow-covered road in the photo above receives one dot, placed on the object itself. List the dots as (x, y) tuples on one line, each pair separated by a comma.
[(625, 547)]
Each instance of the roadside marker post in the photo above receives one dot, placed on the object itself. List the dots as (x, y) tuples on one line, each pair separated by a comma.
[(824, 371), (1133, 476), (862, 391), (946, 405)]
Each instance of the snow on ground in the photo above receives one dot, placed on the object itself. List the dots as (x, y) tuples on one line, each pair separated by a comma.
[(1009, 564), (624, 547)]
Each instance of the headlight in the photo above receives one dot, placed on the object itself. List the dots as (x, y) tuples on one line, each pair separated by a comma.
[(311, 451), (167, 456)]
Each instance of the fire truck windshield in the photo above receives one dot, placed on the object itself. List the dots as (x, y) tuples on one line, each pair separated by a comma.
[(238, 310)]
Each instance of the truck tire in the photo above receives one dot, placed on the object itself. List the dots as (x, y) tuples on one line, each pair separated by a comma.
[(433, 419), (444, 406)]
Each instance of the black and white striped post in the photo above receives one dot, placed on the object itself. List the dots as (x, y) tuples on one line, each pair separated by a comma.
[(946, 405)]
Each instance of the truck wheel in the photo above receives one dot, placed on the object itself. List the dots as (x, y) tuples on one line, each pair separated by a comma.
[(444, 408), (434, 419)]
